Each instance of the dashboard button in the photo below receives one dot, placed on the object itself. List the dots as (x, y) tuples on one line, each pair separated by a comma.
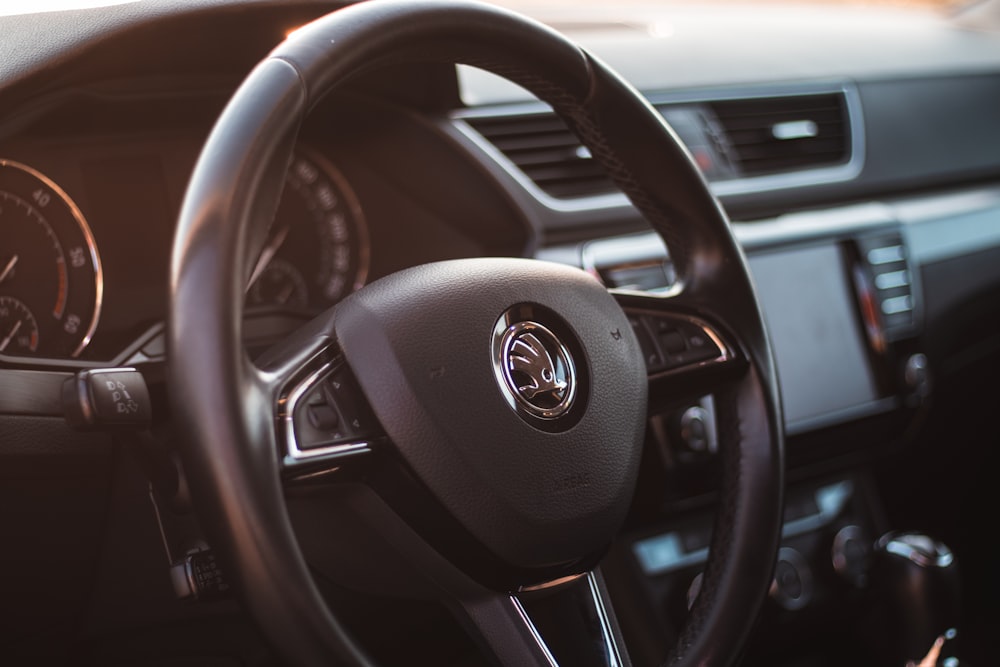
[(694, 429), (852, 554), (792, 584)]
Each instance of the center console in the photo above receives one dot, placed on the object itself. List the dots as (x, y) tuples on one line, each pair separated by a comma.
[(843, 307)]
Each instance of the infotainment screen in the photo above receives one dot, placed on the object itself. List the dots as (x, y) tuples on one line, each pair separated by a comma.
[(823, 366)]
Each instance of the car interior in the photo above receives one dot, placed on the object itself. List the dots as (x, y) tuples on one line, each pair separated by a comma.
[(520, 333)]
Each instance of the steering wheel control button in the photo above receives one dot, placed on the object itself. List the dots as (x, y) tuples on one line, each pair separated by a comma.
[(534, 369), (697, 345), (673, 341), (342, 391), (115, 398), (650, 352), (323, 417), (317, 422)]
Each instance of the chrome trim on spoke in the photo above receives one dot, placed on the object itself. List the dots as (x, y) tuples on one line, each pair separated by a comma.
[(612, 654), (287, 416), (533, 631), (614, 657)]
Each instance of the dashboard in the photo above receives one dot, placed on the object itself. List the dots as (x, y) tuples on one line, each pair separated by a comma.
[(856, 154), (106, 206)]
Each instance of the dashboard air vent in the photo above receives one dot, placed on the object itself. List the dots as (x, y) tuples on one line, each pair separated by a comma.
[(738, 143), (770, 135), (546, 150)]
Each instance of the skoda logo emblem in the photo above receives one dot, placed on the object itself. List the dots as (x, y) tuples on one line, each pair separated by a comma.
[(534, 370)]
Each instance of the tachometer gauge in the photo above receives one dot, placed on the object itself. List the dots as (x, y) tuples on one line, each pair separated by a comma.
[(279, 284), (317, 249), (50, 271)]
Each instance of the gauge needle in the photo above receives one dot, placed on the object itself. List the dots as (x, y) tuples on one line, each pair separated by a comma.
[(7, 269), (10, 336), (269, 251)]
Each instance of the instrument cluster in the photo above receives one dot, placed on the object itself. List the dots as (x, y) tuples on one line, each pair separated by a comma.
[(53, 284)]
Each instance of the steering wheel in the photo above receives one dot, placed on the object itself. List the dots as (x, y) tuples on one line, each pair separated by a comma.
[(484, 416)]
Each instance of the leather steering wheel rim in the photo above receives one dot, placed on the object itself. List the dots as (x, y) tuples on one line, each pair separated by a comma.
[(228, 448)]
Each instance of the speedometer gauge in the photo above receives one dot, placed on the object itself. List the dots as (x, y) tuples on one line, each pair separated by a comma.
[(317, 248), (50, 271)]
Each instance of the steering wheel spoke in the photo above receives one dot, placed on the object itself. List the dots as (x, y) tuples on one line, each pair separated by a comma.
[(323, 422), (567, 622), (685, 354)]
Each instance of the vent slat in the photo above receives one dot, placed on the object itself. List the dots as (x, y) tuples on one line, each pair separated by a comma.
[(765, 130), (537, 142), (504, 125), (766, 121), (567, 156), (553, 172), (577, 187)]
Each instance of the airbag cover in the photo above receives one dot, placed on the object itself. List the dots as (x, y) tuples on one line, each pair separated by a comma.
[(535, 492)]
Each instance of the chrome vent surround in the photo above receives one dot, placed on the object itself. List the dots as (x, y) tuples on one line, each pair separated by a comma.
[(743, 143)]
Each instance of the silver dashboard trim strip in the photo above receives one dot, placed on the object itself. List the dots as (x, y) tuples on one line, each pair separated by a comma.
[(935, 228)]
